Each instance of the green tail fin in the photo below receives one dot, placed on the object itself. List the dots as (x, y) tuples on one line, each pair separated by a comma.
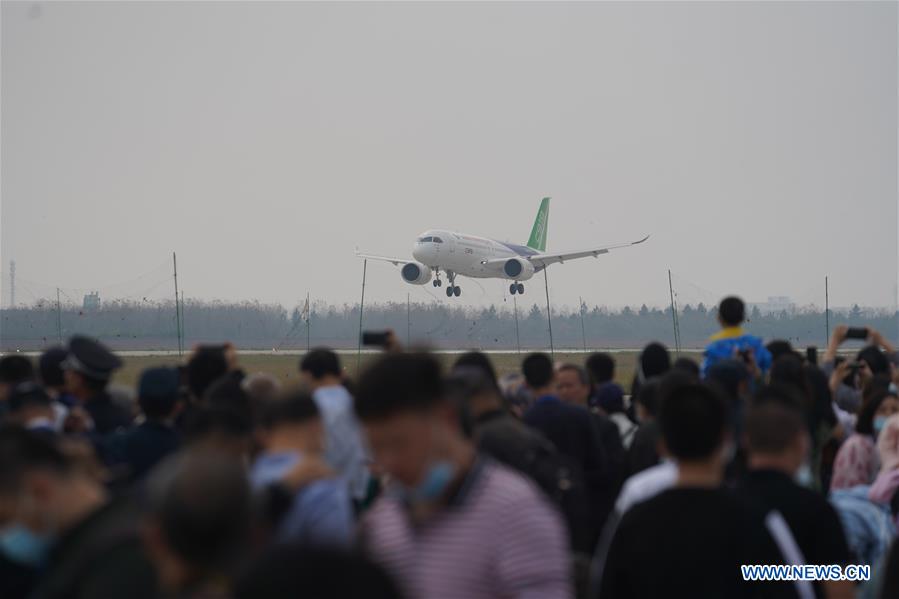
[(538, 233)]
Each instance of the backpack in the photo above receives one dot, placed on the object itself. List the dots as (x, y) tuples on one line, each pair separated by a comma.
[(521, 448)]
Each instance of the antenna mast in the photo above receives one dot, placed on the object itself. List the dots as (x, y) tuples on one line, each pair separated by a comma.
[(177, 304)]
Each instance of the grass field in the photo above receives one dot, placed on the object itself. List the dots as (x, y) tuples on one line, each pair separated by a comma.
[(286, 366)]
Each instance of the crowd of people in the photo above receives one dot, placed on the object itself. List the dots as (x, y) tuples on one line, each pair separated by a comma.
[(419, 482)]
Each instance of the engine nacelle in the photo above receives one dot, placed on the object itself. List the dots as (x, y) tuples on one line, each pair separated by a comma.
[(518, 269), (415, 273)]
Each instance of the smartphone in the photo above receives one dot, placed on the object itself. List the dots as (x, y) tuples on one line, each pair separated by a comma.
[(375, 338), (857, 333), (811, 354)]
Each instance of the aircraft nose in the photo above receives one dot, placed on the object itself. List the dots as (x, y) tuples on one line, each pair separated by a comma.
[(423, 252)]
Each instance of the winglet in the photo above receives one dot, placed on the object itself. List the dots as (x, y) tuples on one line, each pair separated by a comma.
[(641, 241)]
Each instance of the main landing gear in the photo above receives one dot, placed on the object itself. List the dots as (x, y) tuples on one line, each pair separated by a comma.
[(516, 288), (452, 289)]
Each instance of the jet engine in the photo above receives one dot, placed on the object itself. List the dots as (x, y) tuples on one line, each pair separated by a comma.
[(415, 273), (518, 269)]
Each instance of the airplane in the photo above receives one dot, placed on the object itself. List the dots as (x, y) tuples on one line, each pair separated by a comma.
[(459, 254)]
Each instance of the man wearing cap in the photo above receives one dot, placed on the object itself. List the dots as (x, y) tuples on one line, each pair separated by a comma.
[(138, 450), (88, 368)]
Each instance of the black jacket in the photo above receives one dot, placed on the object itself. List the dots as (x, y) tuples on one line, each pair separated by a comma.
[(107, 416), (99, 558)]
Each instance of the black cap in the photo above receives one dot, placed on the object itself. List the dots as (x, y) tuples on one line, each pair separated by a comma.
[(91, 358)]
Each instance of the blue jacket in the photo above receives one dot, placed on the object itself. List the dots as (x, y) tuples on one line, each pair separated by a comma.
[(321, 512), (724, 344)]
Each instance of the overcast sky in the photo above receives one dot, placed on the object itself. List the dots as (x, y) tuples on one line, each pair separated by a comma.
[(756, 142)]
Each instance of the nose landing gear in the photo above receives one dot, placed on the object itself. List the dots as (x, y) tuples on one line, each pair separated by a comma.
[(516, 288)]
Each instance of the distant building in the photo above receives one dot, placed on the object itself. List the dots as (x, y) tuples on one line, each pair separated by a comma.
[(92, 301), (775, 304)]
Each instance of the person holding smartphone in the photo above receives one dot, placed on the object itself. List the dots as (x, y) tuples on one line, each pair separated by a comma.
[(847, 378)]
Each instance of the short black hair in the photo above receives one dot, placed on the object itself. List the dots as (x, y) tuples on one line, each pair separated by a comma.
[(538, 370), (294, 407), (654, 360), (779, 347), (465, 383), (653, 392), (732, 311), (320, 362), (206, 366), (601, 367), (865, 422), (687, 365), (28, 394), (477, 359), (15, 369), (23, 451), (397, 383), (693, 419), (774, 419), (288, 571), (875, 358), (227, 392), (49, 366), (788, 369), (202, 504), (206, 422)]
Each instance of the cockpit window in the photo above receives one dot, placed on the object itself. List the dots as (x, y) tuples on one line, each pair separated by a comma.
[(438, 240), (425, 239)]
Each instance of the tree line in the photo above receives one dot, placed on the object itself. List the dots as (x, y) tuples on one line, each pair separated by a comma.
[(254, 325)]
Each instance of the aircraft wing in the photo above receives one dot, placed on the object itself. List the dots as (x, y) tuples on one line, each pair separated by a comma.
[(547, 259), (394, 261)]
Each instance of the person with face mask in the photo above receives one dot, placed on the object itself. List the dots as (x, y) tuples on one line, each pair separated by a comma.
[(451, 523), (778, 478), (58, 520), (857, 462)]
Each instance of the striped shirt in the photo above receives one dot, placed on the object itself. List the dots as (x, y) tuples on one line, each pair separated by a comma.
[(497, 538)]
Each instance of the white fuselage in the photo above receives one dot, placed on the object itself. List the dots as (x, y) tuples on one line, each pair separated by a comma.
[(464, 254)]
